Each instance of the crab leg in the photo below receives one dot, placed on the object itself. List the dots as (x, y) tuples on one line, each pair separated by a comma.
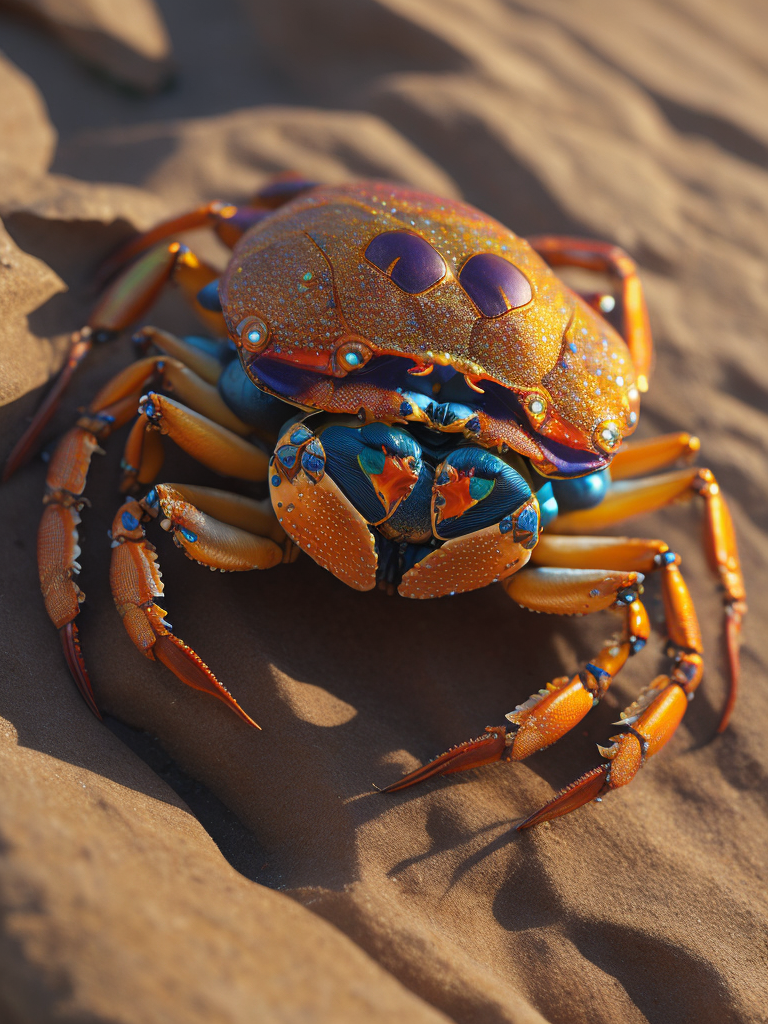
[(205, 440), (124, 302), (558, 250), (244, 535), (57, 539), (113, 406), (652, 719), (205, 364), (627, 553), (638, 457), (547, 715), (79, 346), (228, 221), (135, 581), (633, 497)]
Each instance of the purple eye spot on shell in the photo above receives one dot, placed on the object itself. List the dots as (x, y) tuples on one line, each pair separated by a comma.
[(494, 284), (408, 259)]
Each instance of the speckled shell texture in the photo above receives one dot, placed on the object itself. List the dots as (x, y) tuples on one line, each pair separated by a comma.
[(555, 344)]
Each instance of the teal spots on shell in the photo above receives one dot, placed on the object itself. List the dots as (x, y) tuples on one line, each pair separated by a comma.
[(187, 534), (275, 480), (371, 462), (480, 488), (307, 276)]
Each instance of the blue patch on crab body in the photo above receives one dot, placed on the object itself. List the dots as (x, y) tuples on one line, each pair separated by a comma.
[(225, 351), (548, 506), (527, 527), (582, 492), (251, 405), (208, 297), (287, 455)]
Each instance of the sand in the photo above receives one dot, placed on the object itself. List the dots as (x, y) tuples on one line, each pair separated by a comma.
[(172, 865)]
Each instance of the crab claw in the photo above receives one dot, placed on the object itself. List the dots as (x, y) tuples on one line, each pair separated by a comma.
[(580, 792), (472, 754)]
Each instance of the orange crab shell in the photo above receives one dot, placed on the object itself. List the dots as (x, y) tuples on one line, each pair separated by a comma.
[(303, 279)]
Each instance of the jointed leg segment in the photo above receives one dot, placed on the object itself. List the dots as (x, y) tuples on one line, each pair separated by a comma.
[(247, 536), (212, 445), (244, 535), (633, 497), (135, 580), (551, 712)]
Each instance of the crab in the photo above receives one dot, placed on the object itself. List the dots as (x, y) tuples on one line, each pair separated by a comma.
[(433, 411)]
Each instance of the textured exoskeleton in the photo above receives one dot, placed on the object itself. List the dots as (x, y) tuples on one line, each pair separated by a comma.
[(440, 412)]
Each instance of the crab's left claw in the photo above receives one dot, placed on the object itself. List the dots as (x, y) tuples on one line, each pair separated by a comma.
[(580, 792), (472, 754)]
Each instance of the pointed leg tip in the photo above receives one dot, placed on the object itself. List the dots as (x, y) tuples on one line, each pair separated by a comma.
[(70, 641), (725, 719), (473, 754), (733, 619), (403, 783), (20, 456), (580, 792), (187, 666)]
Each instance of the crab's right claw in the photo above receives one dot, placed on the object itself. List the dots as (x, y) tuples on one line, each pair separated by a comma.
[(472, 754), (580, 792)]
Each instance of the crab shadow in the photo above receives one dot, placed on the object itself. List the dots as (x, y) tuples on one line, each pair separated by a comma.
[(351, 689)]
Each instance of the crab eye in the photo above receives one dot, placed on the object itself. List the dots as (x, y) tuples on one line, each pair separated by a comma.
[(253, 334), (537, 408), (352, 355), (494, 284), (408, 259), (607, 436)]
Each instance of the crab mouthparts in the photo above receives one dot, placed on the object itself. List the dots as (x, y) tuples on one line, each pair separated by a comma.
[(435, 395)]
